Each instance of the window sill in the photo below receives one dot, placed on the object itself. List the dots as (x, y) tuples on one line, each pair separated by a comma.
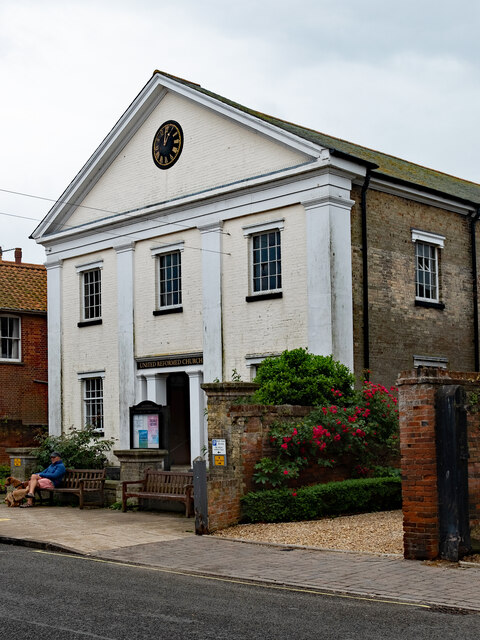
[(89, 323), (264, 296), (11, 361), (164, 312), (431, 305)]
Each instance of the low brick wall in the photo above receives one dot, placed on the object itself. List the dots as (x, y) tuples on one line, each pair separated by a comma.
[(246, 429), (417, 392), (13, 433)]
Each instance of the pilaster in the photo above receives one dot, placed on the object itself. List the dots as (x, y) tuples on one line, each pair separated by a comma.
[(212, 301), (329, 271), (198, 429), (54, 306), (126, 362)]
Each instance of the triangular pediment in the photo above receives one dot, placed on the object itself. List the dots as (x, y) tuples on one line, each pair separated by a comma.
[(222, 146)]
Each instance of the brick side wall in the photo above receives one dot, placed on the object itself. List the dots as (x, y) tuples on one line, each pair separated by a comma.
[(23, 395), (398, 328), (417, 390), (23, 388)]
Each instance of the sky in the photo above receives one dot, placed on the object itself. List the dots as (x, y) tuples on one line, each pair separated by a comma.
[(399, 77)]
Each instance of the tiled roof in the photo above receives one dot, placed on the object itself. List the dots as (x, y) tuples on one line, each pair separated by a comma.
[(386, 166), (23, 287)]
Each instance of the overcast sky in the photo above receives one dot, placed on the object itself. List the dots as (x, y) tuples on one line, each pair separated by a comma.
[(400, 77)]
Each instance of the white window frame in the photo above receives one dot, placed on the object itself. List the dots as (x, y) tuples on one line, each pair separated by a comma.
[(84, 378), (255, 230), (436, 242), (82, 270), (253, 361), (430, 361), (17, 339), (158, 253)]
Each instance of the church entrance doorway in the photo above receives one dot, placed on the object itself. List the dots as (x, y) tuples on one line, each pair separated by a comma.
[(178, 401)]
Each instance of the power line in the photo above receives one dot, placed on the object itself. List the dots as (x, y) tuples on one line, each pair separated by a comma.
[(56, 201), (110, 233), (73, 204), (14, 215)]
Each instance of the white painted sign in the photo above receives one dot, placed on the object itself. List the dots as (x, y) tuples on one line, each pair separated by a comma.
[(219, 447)]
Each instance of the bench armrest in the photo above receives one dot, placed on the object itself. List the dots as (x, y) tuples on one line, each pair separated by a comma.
[(124, 483)]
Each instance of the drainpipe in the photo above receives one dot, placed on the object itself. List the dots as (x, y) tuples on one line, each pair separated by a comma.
[(473, 224), (366, 331)]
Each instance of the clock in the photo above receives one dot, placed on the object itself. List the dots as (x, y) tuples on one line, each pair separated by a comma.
[(167, 144)]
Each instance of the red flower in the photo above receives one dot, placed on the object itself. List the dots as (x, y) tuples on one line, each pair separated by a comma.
[(294, 494), (285, 472)]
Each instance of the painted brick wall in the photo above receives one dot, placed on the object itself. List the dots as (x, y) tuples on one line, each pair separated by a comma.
[(23, 395), (417, 391), (89, 348), (233, 153), (398, 328), (266, 326), (175, 333)]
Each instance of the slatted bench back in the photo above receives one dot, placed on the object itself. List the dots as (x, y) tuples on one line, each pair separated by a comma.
[(90, 478), (167, 482)]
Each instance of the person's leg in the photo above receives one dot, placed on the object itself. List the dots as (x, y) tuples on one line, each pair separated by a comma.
[(36, 482), (32, 485)]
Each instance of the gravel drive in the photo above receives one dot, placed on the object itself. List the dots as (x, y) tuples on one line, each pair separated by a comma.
[(380, 532), (370, 532)]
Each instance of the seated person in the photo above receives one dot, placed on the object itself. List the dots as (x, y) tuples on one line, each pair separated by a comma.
[(47, 479)]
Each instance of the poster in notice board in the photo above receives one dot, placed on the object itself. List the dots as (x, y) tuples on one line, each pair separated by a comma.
[(145, 431)]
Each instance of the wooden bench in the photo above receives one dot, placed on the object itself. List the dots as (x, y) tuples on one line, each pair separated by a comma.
[(80, 482), (162, 485)]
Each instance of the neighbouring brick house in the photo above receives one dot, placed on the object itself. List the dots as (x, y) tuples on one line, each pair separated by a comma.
[(203, 236), (23, 356)]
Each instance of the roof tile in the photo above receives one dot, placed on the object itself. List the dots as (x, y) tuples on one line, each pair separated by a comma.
[(23, 287)]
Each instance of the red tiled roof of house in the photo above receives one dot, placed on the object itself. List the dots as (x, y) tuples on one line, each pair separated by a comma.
[(23, 287)]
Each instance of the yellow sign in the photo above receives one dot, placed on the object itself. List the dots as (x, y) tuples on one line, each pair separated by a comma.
[(17, 462), (219, 461)]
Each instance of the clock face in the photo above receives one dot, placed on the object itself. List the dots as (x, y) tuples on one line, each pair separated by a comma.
[(167, 144)]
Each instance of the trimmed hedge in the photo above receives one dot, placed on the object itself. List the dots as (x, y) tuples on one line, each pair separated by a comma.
[(333, 498)]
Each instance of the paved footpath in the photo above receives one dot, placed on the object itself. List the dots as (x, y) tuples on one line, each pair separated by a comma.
[(166, 541)]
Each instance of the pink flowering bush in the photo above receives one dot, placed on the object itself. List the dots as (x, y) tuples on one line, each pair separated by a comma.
[(362, 432)]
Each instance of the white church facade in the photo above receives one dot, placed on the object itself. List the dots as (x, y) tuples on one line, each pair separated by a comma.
[(198, 239)]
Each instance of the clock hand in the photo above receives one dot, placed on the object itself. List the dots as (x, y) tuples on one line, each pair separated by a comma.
[(166, 135)]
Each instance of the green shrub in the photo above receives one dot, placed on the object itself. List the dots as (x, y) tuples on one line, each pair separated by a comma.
[(4, 472), (79, 449), (301, 378), (334, 498)]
